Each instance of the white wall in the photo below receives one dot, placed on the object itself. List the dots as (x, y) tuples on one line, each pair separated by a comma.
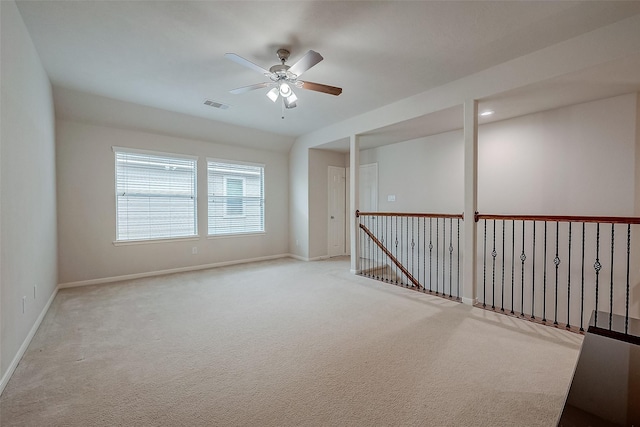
[(27, 193), (577, 160), (86, 206), (424, 175)]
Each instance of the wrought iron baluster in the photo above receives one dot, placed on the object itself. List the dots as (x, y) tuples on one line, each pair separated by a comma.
[(450, 253), (413, 244), (569, 281), (444, 256), (437, 252), (418, 259), (430, 251), (544, 277), (371, 248), (395, 274), (556, 261), (597, 266), (484, 267), (611, 286), (376, 262), (503, 257), (458, 268), (384, 254), (626, 311), (523, 258), (359, 237), (364, 248), (582, 285), (513, 261), (378, 250), (533, 273), (424, 251), (368, 258), (402, 275), (493, 274)]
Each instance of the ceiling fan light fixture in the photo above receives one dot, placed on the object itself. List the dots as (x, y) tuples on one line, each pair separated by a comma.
[(273, 94), (288, 103), (285, 90)]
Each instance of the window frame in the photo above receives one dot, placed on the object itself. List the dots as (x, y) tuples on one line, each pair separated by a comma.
[(194, 196), (226, 179), (261, 198)]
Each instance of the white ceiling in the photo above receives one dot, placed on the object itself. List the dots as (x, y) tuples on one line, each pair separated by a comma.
[(170, 54)]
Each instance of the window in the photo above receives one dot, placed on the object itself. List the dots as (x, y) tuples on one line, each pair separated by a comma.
[(155, 195), (234, 192), (235, 197)]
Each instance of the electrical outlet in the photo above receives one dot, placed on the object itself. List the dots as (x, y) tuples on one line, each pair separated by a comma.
[(194, 250), (297, 242), (24, 303)]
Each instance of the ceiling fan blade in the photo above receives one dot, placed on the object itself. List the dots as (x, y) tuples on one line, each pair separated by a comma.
[(310, 59), (240, 60), (331, 90), (246, 89)]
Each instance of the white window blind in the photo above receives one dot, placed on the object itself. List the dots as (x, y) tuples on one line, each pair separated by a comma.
[(235, 197), (155, 196)]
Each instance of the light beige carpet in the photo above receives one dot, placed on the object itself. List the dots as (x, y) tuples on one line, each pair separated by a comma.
[(283, 343)]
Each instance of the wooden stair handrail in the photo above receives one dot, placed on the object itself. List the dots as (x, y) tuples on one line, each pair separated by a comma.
[(391, 257), (562, 218), (413, 214)]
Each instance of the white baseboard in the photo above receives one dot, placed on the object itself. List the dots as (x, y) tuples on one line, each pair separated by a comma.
[(469, 301), (169, 271), (301, 258), (25, 344)]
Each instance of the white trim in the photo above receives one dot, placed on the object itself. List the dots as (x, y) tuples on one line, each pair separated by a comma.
[(231, 235), (25, 344), (149, 241), (301, 258), (117, 149), (469, 301), (237, 162), (318, 258), (163, 272)]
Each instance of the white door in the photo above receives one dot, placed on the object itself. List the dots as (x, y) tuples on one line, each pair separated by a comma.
[(337, 218)]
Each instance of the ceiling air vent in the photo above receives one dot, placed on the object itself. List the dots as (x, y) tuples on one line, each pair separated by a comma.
[(215, 104)]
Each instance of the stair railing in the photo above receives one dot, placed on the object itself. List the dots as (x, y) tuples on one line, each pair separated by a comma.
[(416, 250), (557, 270)]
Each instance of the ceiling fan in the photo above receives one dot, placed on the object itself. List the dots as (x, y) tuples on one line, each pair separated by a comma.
[(284, 77)]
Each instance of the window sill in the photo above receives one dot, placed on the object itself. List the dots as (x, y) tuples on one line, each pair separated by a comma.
[(232, 235), (151, 241)]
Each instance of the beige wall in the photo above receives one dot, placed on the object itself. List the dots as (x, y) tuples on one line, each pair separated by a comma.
[(86, 206), (27, 193)]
